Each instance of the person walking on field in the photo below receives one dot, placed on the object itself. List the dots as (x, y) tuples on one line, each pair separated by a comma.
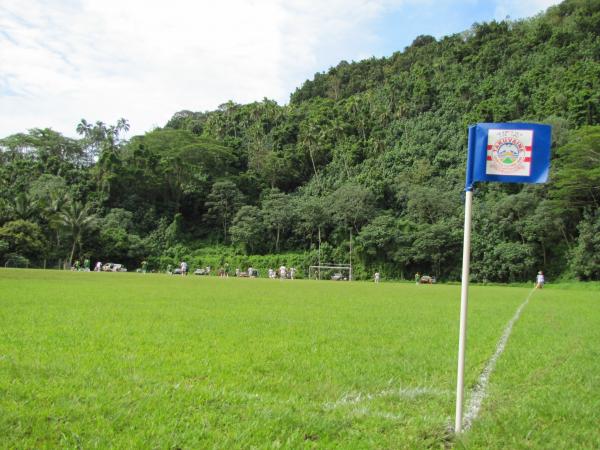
[(539, 280), (417, 278), (377, 276)]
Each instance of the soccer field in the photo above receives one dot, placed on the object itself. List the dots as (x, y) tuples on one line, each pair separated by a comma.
[(155, 361)]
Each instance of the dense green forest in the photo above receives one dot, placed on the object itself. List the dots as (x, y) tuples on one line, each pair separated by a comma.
[(374, 149)]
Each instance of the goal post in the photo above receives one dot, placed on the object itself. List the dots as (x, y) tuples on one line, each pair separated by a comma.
[(336, 272)]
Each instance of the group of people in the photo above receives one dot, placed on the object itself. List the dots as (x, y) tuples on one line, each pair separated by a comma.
[(282, 273), (77, 266), (181, 270), (223, 272)]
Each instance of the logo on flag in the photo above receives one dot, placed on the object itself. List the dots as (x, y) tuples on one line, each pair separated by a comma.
[(509, 152)]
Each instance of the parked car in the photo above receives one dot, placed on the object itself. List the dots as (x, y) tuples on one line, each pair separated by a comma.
[(426, 279), (113, 267)]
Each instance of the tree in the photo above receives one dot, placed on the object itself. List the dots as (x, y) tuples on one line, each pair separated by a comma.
[(585, 258), (56, 154), (248, 228), (577, 181), (117, 239), (223, 201), (99, 137), (24, 207), (24, 238), (46, 187), (429, 204), (353, 205), (175, 167), (75, 218), (377, 241), (277, 212), (437, 246), (313, 216)]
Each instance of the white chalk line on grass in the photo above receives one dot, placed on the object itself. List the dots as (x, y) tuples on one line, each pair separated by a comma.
[(480, 390), (354, 398)]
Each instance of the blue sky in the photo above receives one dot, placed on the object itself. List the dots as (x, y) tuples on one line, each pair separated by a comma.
[(399, 28), (63, 60)]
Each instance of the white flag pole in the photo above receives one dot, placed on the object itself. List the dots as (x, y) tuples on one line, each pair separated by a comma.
[(464, 300)]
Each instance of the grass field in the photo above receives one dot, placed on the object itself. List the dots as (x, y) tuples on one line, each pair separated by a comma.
[(151, 361)]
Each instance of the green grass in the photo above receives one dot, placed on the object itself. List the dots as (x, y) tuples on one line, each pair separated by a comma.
[(151, 361)]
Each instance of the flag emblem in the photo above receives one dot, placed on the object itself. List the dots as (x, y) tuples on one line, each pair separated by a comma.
[(509, 152)]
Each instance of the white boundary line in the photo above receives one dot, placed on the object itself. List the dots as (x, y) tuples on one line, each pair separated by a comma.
[(408, 393), (480, 390)]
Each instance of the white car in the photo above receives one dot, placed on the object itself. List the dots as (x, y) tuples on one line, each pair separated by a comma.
[(112, 267)]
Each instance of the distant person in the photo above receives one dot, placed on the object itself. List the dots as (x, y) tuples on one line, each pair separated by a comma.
[(271, 273), (282, 272), (237, 271), (250, 272), (144, 266), (417, 278), (292, 273), (377, 277), (184, 268), (86, 265), (76, 266), (169, 269), (539, 280), (98, 267)]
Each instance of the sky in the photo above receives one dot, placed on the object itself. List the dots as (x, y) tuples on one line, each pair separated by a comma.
[(144, 60)]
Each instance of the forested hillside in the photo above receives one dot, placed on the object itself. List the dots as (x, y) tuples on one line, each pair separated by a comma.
[(375, 149)]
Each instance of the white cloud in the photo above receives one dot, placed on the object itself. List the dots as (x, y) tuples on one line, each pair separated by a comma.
[(144, 60), (63, 60)]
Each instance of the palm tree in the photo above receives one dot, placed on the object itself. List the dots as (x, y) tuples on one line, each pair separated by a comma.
[(24, 206), (51, 205), (75, 219)]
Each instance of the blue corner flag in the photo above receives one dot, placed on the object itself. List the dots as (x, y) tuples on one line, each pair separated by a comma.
[(508, 153)]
